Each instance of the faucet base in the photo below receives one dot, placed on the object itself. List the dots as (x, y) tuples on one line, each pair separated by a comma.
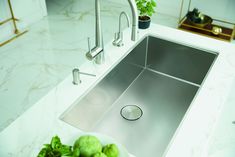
[(99, 59)]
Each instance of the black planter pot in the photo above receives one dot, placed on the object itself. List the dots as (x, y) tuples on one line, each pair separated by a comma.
[(144, 22)]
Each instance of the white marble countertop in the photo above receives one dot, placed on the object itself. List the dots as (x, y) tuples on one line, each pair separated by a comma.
[(222, 139), (25, 136), (36, 62)]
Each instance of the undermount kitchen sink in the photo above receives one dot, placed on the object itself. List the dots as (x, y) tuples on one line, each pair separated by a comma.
[(161, 78)]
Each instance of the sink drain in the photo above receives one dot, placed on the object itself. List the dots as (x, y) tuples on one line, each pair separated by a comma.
[(131, 112)]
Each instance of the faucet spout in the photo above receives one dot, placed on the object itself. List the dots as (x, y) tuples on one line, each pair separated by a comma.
[(134, 19)]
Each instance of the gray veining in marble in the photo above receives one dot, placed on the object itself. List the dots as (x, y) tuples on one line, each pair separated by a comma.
[(35, 63), (222, 143)]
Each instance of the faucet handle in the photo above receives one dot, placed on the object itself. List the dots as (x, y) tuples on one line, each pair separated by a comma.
[(89, 44)]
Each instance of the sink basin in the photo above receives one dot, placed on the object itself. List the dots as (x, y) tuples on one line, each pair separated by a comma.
[(161, 78)]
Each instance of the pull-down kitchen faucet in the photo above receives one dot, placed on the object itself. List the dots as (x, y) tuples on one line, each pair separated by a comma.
[(134, 19), (98, 51)]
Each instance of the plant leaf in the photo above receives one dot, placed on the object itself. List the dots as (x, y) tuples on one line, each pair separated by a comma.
[(146, 7), (65, 150), (55, 142), (42, 153)]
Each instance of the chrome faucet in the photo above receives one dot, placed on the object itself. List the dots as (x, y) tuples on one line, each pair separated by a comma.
[(118, 39), (134, 12), (98, 51), (134, 29)]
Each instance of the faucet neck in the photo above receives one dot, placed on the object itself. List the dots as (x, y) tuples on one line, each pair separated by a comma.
[(120, 21), (98, 28), (134, 19)]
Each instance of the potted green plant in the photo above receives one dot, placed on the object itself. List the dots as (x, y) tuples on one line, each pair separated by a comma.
[(146, 10)]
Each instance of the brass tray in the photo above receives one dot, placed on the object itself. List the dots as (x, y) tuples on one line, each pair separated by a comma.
[(226, 34)]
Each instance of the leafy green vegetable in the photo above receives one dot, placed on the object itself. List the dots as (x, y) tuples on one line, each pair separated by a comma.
[(85, 146), (56, 149), (111, 150), (65, 150), (55, 142), (88, 145), (43, 152)]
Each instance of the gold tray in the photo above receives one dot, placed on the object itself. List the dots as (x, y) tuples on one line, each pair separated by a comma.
[(227, 34)]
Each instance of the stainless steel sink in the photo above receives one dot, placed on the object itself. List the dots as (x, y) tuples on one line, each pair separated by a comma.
[(158, 76)]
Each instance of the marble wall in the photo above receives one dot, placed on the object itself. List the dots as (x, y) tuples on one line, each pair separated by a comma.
[(168, 7), (221, 9), (27, 11), (30, 11)]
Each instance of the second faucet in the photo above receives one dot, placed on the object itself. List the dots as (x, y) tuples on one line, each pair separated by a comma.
[(98, 51), (118, 39)]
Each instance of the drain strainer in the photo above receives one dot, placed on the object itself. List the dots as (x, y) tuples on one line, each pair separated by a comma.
[(131, 112)]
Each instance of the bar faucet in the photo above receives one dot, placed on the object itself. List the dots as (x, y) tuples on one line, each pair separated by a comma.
[(134, 33), (118, 38), (98, 51)]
